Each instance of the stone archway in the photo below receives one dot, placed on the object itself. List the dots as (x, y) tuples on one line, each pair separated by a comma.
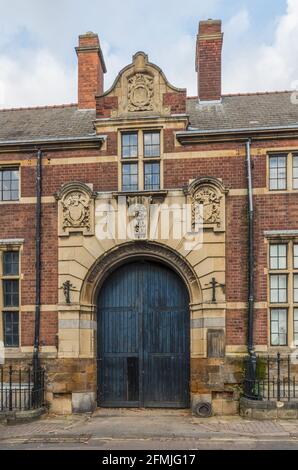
[(125, 252)]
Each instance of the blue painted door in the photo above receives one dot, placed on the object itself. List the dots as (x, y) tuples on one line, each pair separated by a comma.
[(143, 338)]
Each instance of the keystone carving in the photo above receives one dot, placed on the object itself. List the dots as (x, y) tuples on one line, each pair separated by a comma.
[(76, 209), (140, 92), (207, 197)]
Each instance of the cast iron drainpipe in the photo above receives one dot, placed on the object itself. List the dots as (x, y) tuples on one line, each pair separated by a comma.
[(36, 360), (250, 342)]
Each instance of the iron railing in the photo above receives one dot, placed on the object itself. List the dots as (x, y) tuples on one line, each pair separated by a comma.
[(271, 378), (21, 389)]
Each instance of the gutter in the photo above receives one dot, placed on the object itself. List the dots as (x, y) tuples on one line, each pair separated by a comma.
[(197, 135), (250, 339), (52, 143)]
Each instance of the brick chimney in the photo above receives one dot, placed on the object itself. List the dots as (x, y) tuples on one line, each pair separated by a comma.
[(208, 60), (91, 70)]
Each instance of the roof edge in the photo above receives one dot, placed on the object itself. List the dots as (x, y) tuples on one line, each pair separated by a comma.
[(30, 108), (220, 135), (49, 142), (256, 93)]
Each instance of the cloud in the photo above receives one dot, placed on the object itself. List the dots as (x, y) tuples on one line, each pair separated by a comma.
[(38, 63), (258, 67), (37, 58), (33, 79), (239, 23)]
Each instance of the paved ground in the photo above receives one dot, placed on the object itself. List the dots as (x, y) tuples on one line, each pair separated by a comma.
[(148, 429)]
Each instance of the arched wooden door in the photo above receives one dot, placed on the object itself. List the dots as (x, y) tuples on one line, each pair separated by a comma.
[(143, 338)]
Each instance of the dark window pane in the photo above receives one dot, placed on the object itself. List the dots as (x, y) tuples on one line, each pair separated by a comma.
[(152, 176), (14, 185), (278, 256), (125, 139), (278, 288), (10, 263), (295, 256), (151, 144), (7, 175), (130, 145), (278, 172), (130, 177), (279, 327), (9, 185), (11, 293), (296, 326), (295, 171), (11, 329)]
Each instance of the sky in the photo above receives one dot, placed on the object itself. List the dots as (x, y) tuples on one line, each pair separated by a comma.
[(38, 63)]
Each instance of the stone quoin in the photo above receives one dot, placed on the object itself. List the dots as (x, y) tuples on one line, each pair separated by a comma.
[(132, 319)]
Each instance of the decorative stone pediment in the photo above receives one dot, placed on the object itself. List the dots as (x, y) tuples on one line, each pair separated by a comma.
[(140, 88), (75, 209), (207, 197)]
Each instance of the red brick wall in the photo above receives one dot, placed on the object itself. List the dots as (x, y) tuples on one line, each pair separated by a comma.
[(90, 71), (274, 211), (231, 170), (48, 328), (236, 327), (176, 102), (18, 221), (208, 63), (105, 105)]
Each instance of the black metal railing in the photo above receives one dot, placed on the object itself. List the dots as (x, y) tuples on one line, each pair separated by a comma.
[(271, 378), (21, 389)]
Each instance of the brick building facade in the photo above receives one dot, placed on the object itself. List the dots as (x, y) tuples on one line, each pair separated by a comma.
[(143, 142)]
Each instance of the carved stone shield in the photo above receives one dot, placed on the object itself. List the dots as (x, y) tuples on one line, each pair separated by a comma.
[(140, 92)]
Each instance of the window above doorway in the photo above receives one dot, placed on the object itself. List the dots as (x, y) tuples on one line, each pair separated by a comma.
[(143, 150)]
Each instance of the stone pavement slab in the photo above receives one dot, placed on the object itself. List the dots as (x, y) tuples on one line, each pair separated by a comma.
[(126, 424)]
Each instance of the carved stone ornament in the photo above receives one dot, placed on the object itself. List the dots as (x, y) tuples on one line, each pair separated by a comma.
[(138, 208), (207, 197), (140, 92), (210, 200), (76, 209)]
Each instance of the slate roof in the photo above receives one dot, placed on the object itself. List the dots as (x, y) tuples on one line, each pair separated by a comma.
[(47, 122), (244, 112), (235, 112)]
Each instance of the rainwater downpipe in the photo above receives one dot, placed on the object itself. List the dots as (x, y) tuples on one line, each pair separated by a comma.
[(250, 338), (38, 214)]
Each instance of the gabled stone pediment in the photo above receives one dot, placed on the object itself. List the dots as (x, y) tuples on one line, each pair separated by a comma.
[(141, 89)]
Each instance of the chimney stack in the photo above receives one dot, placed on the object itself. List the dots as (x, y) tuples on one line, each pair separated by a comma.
[(208, 60), (91, 70)]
